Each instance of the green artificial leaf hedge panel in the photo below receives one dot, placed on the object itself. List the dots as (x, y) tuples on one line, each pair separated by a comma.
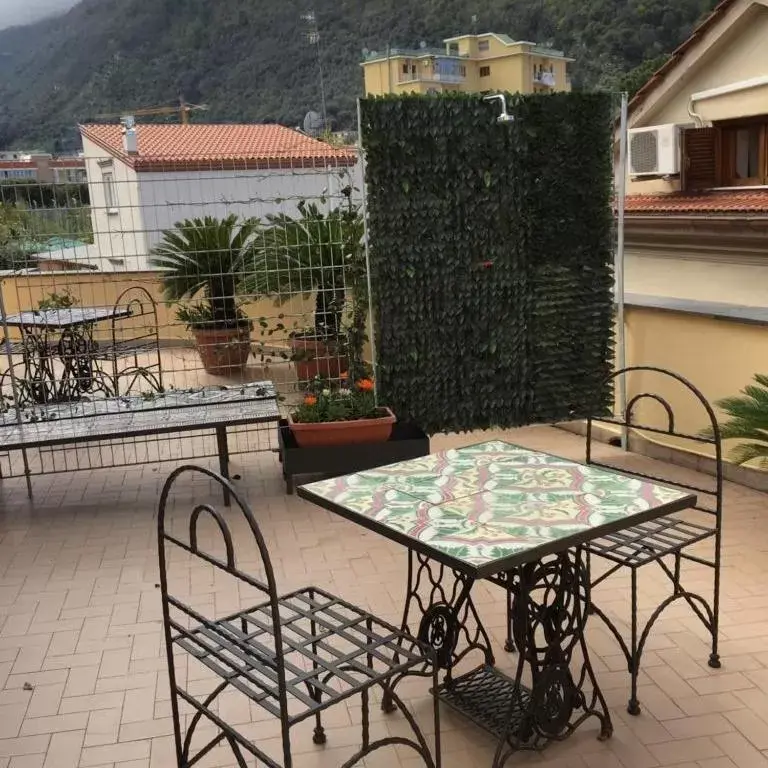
[(491, 257)]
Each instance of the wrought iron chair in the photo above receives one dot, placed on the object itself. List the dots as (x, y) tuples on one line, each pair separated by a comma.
[(292, 656), (133, 346), (669, 541)]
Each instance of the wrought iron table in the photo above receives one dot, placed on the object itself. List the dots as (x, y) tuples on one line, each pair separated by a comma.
[(518, 518), (59, 334)]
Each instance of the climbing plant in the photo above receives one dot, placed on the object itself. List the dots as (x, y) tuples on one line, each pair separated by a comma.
[(491, 257)]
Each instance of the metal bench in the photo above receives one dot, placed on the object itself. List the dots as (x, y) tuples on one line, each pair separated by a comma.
[(116, 418), (290, 657)]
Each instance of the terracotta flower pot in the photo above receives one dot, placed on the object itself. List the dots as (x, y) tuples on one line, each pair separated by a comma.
[(316, 357), (224, 351), (356, 432)]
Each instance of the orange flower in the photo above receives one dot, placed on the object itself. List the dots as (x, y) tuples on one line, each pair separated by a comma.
[(365, 385), (310, 400), (344, 376)]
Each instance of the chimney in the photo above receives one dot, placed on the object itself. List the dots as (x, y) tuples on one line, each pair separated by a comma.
[(130, 137)]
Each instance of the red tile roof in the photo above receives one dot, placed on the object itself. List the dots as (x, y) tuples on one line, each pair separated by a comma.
[(753, 201), (218, 147), (719, 11)]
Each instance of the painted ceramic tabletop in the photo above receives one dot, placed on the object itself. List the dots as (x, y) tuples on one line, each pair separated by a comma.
[(494, 504)]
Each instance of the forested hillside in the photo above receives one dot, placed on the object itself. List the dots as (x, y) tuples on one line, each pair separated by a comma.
[(251, 60)]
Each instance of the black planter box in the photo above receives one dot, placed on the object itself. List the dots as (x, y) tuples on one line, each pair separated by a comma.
[(407, 442)]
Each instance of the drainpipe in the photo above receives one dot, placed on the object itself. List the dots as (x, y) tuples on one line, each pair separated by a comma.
[(697, 119)]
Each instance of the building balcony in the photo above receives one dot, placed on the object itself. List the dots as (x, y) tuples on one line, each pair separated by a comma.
[(433, 77), (545, 79)]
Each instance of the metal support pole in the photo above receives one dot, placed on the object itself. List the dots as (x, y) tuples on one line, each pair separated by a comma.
[(8, 354), (619, 263), (366, 244), (222, 447), (15, 391)]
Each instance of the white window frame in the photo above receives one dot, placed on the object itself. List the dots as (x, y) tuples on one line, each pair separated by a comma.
[(110, 191)]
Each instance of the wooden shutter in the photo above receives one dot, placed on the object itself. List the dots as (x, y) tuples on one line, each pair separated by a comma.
[(701, 162)]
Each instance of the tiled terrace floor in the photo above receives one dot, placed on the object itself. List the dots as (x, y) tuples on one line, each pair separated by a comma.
[(82, 675)]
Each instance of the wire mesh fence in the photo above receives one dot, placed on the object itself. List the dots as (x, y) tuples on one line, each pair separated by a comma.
[(191, 258)]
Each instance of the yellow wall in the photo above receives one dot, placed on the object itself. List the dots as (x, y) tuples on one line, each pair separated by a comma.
[(718, 356), (689, 276), (511, 73), (23, 292), (377, 81)]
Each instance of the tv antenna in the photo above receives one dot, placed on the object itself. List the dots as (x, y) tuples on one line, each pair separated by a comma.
[(312, 35)]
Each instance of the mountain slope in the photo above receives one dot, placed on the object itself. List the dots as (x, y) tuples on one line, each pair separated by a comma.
[(250, 60)]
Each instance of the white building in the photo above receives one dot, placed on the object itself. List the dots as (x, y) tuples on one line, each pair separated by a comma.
[(43, 168), (142, 184)]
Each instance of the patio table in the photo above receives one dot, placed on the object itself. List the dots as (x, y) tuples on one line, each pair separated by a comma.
[(66, 334), (518, 518)]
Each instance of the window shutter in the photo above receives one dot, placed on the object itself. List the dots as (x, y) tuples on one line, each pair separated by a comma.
[(700, 150)]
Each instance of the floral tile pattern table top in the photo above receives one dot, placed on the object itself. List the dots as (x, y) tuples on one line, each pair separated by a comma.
[(494, 505)]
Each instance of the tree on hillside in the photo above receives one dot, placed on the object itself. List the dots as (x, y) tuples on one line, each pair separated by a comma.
[(636, 78), (250, 60), (13, 232)]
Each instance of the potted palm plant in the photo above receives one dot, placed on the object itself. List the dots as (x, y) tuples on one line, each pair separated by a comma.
[(201, 259), (313, 252)]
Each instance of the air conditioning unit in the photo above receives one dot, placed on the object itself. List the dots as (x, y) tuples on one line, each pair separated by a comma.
[(654, 151)]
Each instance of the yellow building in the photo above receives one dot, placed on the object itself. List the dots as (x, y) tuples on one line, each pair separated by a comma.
[(697, 210), (696, 263), (471, 63)]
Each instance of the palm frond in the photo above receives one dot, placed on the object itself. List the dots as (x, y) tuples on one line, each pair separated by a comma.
[(201, 257), (302, 254), (748, 421), (749, 452)]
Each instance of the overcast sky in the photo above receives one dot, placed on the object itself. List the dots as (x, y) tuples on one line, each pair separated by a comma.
[(25, 11)]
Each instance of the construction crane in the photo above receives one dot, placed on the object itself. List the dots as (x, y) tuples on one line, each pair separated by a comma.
[(183, 109)]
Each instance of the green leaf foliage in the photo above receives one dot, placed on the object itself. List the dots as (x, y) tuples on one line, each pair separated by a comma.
[(202, 257), (491, 257), (748, 422), (313, 251), (250, 60)]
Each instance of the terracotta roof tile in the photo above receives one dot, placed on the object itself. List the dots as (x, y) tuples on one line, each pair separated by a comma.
[(753, 201), (217, 147)]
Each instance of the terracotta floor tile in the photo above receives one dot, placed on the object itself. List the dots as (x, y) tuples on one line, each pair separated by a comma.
[(80, 627)]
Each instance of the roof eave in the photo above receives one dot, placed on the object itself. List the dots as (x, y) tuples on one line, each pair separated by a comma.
[(642, 95)]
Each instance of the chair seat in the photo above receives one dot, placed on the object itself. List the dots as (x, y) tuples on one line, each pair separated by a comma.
[(646, 542), (330, 647), (123, 349), (16, 347)]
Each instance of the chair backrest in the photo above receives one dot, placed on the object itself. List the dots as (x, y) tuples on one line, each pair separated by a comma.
[(269, 633), (141, 324), (667, 426)]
